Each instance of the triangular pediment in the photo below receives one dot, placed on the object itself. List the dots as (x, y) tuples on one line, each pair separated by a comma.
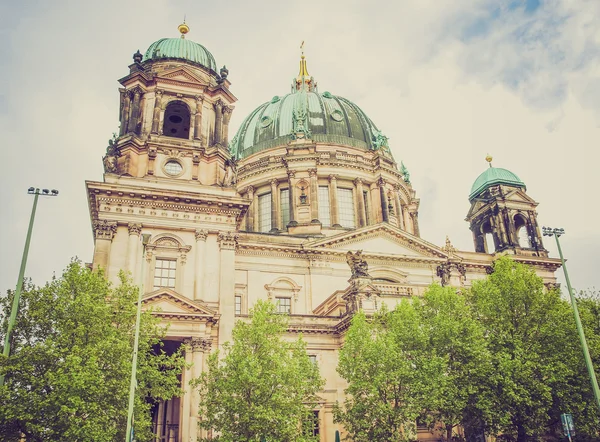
[(381, 239), (182, 74), (167, 302), (520, 196)]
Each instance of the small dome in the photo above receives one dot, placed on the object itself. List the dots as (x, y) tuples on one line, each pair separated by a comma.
[(494, 175), (328, 119), (181, 49)]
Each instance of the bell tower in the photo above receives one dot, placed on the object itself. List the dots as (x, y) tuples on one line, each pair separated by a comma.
[(174, 113), (502, 216)]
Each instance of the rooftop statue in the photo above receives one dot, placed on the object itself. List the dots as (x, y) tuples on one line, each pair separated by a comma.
[(359, 267)]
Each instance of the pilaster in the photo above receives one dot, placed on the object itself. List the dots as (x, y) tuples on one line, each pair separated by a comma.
[(132, 246), (200, 258), (104, 232), (333, 196)]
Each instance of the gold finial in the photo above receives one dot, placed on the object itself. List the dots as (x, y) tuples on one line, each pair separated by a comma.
[(183, 28), (489, 159), (303, 69)]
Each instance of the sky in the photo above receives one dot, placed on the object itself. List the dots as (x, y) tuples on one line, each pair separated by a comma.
[(448, 81)]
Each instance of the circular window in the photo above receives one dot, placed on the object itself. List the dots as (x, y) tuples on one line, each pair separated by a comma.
[(337, 115), (265, 121), (173, 168)]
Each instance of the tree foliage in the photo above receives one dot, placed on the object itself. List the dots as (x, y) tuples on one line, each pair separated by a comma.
[(67, 377), (538, 368), (392, 373), (260, 385)]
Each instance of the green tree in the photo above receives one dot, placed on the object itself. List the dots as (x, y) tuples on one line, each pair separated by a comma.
[(261, 385), (67, 377), (537, 362), (455, 334), (392, 374)]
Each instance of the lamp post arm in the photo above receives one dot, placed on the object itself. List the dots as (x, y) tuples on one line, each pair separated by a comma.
[(17, 297), (586, 352)]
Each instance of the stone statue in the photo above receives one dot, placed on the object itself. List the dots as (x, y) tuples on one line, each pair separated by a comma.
[(112, 154), (405, 173), (380, 141), (230, 173), (359, 267)]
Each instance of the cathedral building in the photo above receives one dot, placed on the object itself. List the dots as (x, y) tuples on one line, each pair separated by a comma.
[(305, 206)]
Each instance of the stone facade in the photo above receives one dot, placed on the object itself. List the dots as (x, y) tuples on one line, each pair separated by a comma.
[(282, 224)]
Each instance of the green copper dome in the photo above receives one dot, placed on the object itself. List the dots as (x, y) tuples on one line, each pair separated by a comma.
[(181, 49), (494, 175), (323, 118)]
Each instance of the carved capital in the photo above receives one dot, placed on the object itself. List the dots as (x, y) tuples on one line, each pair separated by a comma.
[(227, 240), (332, 178), (227, 109), (137, 91), (104, 229), (381, 182), (201, 235), (250, 191), (199, 100), (291, 174), (312, 173), (198, 344), (134, 228), (274, 182), (218, 105), (358, 181)]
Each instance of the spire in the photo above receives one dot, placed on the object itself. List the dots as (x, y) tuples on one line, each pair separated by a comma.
[(304, 81)]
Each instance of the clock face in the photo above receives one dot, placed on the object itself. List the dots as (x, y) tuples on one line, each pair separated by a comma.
[(173, 168)]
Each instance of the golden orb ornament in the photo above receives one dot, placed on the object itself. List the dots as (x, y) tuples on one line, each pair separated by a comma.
[(184, 29), (489, 158)]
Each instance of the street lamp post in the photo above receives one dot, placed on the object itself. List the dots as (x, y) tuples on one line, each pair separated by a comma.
[(548, 231), (133, 383), (15, 305)]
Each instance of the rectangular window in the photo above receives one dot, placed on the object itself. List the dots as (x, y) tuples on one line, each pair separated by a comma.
[(367, 207), (310, 426), (238, 305), (284, 305), (346, 208), (264, 212), (313, 359), (284, 203), (324, 207), (164, 273)]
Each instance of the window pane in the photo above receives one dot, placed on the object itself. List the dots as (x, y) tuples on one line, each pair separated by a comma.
[(164, 273), (284, 305), (264, 212), (346, 207), (238, 305), (367, 207), (324, 208), (284, 203)]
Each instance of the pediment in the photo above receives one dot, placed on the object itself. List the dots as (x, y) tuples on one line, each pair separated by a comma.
[(476, 206), (381, 239), (166, 302), (520, 196), (182, 74)]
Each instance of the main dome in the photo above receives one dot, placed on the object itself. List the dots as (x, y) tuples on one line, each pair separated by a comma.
[(320, 117), (494, 175), (181, 49)]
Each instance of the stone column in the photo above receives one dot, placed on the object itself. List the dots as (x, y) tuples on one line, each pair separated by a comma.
[(291, 183), (398, 206), (333, 197), (198, 118), (250, 215), (133, 246), (135, 111), (218, 121), (227, 244), (200, 347), (407, 220), (226, 117), (274, 206), (415, 222), (186, 399), (362, 214), (200, 259), (314, 195), (125, 112), (104, 231), (156, 114), (384, 204)]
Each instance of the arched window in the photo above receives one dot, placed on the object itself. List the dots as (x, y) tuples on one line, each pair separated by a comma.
[(522, 232), (490, 245), (177, 120)]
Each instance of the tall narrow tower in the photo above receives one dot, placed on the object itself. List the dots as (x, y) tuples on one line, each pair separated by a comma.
[(502, 216), (168, 173)]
